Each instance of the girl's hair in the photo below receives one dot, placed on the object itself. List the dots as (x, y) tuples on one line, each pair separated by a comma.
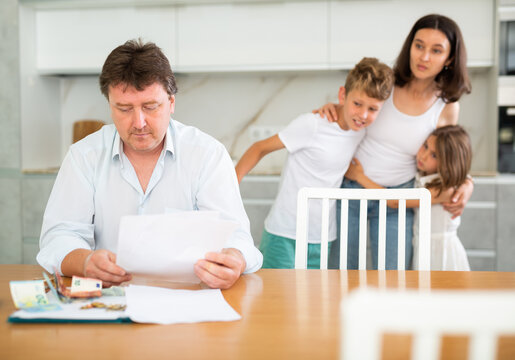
[(453, 80), (372, 77), (454, 155)]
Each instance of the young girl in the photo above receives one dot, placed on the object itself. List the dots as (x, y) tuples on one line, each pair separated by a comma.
[(443, 162)]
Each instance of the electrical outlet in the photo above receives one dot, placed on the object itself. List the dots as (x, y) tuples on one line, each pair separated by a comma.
[(260, 132)]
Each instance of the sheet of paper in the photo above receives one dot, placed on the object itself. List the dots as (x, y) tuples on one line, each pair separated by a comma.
[(168, 245), (147, 304)]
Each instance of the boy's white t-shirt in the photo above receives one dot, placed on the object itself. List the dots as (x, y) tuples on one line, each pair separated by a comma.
[(319, 155)]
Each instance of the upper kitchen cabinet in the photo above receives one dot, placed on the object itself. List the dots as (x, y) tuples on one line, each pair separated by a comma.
[(383, 26), (254, 36), (77, 41)]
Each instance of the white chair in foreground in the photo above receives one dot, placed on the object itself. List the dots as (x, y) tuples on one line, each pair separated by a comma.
[(367, 314), (364, 195)]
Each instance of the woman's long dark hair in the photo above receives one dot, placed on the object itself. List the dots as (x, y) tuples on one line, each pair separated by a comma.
[(453, 81)]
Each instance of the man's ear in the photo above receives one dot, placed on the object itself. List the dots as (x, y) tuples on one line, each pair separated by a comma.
[(172, 104), (341, 95)]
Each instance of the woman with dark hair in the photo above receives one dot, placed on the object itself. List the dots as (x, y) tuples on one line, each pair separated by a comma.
[(430, 77)]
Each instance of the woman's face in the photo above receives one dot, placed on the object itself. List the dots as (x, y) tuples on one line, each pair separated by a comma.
[(429, 53)]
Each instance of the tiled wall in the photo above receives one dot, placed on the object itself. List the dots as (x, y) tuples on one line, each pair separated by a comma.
[(229, 106)]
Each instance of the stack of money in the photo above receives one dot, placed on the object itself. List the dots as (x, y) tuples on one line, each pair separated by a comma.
[(81, 288), (30, 295), (80, 285)]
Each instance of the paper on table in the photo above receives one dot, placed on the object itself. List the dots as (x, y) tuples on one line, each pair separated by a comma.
[(147, 304), (169, 245)]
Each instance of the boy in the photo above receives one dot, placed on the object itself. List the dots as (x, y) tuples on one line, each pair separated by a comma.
[(319, 155)]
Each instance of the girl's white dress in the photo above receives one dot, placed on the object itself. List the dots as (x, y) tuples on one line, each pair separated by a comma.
[(447, 251)]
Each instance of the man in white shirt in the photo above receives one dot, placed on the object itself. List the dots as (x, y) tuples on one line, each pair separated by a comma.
[(146, 163)]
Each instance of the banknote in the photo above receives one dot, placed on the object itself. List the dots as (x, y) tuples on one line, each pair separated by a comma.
[(81, 284), (30, 295), (79, 288)]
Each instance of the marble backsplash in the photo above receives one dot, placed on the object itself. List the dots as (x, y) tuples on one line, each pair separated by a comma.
[(231, 106)]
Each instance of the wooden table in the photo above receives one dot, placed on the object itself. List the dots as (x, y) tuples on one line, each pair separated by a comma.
[(287, 314)]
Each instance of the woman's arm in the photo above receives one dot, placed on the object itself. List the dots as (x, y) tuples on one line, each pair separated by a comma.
[(329, 111), (459, 199), (256, 153), (449, 115), (444, 196)]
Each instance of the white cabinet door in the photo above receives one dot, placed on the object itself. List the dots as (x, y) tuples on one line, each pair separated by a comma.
[(78, 41), (378, 28), (252, 36)]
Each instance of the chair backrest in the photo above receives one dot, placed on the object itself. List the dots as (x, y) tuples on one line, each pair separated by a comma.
[(364, 195), (82, 128), (367, 314)]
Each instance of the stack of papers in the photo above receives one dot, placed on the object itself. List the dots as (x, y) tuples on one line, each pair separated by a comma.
[(145, 304), (155, 305)]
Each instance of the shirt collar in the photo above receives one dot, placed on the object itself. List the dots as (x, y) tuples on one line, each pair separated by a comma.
[(117, 143), (168, 147), (169, 140)]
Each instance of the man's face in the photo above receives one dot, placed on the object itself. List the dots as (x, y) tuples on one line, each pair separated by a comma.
[(141, 117), (359, 109)]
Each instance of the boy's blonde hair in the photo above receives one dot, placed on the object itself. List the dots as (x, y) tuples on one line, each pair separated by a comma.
[(372, 77), (454, 154)]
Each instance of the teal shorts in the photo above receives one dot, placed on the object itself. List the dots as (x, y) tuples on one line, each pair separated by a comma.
[(279, 252)]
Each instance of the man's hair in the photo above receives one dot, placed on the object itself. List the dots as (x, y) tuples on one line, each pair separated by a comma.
[(139, 65), (453, 81), (454, 155), (372, 77)]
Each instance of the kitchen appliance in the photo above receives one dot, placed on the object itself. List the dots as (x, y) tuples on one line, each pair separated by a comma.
[(507, 48), (506, 163)]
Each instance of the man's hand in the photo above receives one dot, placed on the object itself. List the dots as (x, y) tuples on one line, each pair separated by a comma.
[(101, 264), (459, 199), (221, 270)]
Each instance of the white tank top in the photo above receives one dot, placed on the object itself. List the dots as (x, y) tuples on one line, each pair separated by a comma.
[(392, 142)]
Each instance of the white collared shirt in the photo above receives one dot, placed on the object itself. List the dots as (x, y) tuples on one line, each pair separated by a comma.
[(97, 185)]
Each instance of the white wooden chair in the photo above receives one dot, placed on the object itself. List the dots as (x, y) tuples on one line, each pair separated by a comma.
[(327, 194), (367, 314)]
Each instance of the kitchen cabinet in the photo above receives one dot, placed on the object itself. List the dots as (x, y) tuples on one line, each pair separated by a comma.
[(252, 36), (221, 37), (384, 25), (77, 41)]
